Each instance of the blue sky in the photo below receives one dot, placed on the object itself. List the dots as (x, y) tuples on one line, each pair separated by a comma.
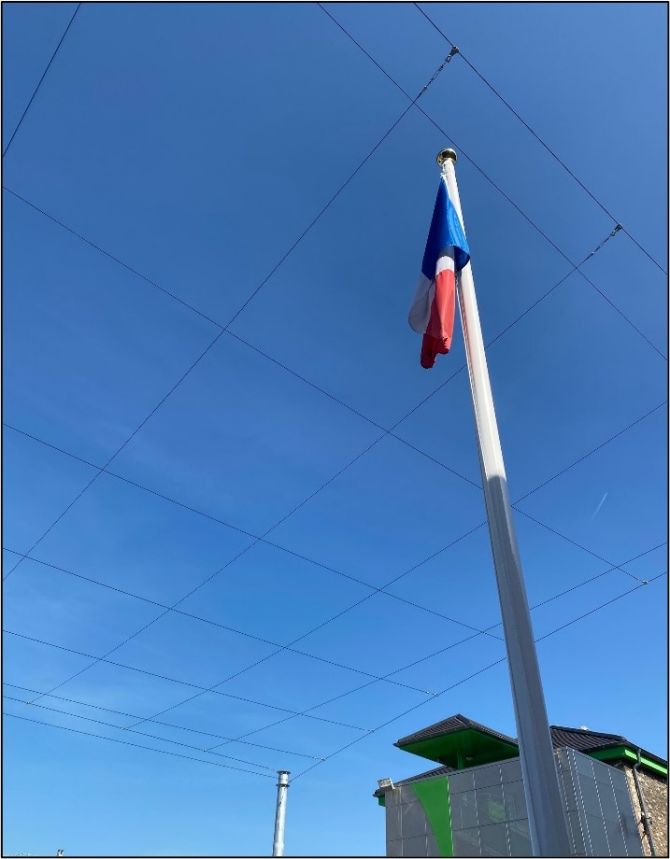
[(191, 145)]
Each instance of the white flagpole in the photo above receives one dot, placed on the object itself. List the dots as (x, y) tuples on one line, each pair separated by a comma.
[(548, 828)]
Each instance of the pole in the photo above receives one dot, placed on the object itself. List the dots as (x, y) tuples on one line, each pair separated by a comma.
[(548, 829), (280, 814)]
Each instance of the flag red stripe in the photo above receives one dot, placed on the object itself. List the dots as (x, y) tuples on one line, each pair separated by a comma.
[(440, 330)]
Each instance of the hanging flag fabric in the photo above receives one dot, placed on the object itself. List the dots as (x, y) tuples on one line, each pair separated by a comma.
[(434, 306)]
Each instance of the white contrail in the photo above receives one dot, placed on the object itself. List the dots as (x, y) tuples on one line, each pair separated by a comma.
[(597, 510)]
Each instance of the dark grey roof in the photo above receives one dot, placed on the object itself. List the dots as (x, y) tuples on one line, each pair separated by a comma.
[(429, 774), (581, 739), (449, 726), (585, 740)]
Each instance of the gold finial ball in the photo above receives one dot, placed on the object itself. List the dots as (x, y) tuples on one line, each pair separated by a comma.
[(444, 154)]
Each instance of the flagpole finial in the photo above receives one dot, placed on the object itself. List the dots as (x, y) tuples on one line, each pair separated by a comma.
[(445, 154)]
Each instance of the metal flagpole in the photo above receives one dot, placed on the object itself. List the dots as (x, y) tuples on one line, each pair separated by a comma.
[(548, 828), (280, 814)]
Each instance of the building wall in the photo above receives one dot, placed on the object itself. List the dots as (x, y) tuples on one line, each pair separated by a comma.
[(482, 812), (655, 791), (408, 829), (601, 818), (488, 811)]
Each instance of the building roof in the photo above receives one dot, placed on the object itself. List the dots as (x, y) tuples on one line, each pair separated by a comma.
[(458, 741), (585, 740), (450, 726)]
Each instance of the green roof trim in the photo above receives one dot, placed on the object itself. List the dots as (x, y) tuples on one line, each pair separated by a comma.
[(628, 754), (468, 747), (433, 794), (382, 800)]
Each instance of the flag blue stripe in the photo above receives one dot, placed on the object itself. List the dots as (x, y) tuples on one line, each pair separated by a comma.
[(446, 231)]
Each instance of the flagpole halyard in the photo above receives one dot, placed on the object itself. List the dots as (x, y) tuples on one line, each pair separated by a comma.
[(546, 817)]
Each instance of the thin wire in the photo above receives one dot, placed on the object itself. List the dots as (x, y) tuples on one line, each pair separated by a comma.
[(572, 542), (592, 451), (164, 724), (413, 101), (466, 679), (540, 140), (99, 249), (278, 546), (170, 679), (347, 609), (394, 435), (139, 746), (127, 441), (326, 393), (351, 408), (224, 626), (39, 83), (386, 432), (141, 733), (291, 512), (385, 678), (226, 524), (290, 250), (280, 649), (601, 606), (250, 345), (598, 447), (441, 651), (304, 713), (338, 615), (503, 193), (240, 310)]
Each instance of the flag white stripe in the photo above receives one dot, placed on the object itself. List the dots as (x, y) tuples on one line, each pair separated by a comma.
[(445, 263), (419, 311)]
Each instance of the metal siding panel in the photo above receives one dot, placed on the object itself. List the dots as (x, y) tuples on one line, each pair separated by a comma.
[(460, 782), (393, 826), (627, 816), (490, 805), (394, 848), (431, 845), (464, 810), (515, 801), (589, 794), (518, 835), (576, 834), (633, 841), (392, 797), (615, 838), (583, 763), (466, 842), (415, 846), (414, 821), (511, 770), (493, 840), (487, 775), (597, 834)]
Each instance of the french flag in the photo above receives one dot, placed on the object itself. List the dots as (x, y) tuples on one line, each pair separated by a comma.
[(434, 306)]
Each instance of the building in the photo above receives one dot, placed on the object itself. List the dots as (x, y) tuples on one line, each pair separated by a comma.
[(472, 804)]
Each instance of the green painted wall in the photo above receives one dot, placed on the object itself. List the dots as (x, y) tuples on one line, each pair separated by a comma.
[(433, 794)]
